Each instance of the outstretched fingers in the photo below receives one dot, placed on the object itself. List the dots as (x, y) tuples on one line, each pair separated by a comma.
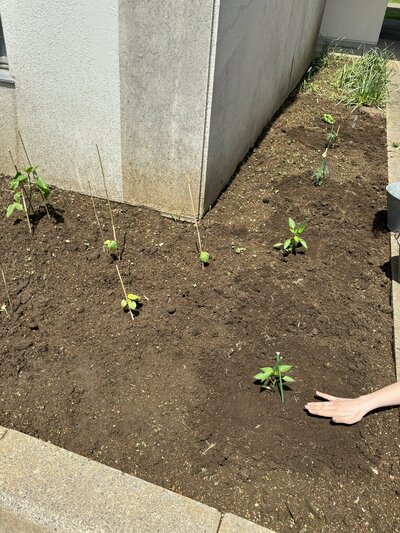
[(326, 396)]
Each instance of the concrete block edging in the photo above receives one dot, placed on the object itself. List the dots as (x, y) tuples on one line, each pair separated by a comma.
[(44, 488)]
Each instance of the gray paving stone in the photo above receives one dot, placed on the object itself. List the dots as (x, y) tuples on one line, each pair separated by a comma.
[(46, 489), (234, 524)]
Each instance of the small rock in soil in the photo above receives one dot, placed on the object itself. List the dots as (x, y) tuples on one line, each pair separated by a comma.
[(171, 310)]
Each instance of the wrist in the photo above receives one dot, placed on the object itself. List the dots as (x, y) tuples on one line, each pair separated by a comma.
[(368, 401)]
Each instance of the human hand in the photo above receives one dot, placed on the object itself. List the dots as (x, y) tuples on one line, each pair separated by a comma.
[(341, 410)]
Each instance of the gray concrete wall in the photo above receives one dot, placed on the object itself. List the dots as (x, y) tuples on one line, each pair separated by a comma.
[(353, 22), (170, 90), (164, 62), (262, 50)]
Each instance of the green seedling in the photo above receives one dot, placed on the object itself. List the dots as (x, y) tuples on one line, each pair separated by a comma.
[(240, 249), (204, 257), (131, 302), (291, 244), (323, 171), (328, 119), (111, 245), (3, 309), (272, 377), (331, 137), (22, 187)]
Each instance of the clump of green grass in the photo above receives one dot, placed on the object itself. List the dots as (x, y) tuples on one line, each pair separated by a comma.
[(364, 81)]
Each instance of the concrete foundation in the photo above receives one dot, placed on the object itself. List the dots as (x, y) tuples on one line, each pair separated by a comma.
[(171, 90)]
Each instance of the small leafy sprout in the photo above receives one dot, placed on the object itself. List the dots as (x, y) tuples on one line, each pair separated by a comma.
[(131, 302), (271, 377), (292, 243), (3, 309), (332, 137), (22, 187), (204, 257), (111, 245), (322, 172), (240, 249), (328, 119)]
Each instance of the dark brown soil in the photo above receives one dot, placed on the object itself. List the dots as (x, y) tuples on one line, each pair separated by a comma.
[(169, 397)]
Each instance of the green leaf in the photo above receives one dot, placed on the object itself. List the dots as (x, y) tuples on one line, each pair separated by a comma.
[(132, 305), (17, 197), (267, 372), (42, 186), (278, 244), (15, 182), (303, 243), (124, 303), (292, 223), (133, 297), (296, 238), (260, 377), (286, 368), (301, 227), (204, 257), (287, 243), (12, 207), (288, 379)]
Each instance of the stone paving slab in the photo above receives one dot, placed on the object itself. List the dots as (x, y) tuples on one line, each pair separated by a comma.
[(393, 138), (234, 524), (46, 489)]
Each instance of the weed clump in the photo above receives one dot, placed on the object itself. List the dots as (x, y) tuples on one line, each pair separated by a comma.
[(364, 81)]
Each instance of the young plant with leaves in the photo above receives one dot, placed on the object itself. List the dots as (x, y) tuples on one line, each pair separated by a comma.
[(291, 244), (323, 171), (332, 137), (22, 187), (204, 257), (328, 119), (272, 377)]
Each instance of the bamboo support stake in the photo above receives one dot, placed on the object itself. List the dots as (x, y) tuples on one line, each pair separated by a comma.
[(123, 288), (6, 289), (96, 215), (195, 220), (23, 196), (108, 199), (30, 164)]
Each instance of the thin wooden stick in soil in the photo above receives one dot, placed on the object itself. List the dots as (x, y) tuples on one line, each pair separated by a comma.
[(123, 288), (195, 219), (30, 164), (96, 215), (108, 199), (23, 196), (5, 287)]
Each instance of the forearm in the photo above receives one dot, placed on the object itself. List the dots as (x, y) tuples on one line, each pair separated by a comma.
[(385, 397)]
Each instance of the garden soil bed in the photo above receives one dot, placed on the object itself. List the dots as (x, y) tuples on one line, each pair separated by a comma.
[(169, 397)]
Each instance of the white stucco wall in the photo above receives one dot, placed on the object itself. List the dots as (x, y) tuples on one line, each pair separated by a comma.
[(64, 57), (353, 21)]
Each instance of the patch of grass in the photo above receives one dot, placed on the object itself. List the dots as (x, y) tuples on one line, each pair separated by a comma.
[(392, 13), (364, 81)]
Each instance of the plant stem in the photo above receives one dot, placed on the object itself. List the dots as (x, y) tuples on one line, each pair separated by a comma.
[(195, 220), (278, 364), (123, 288), (108, 199), (5, 286), (30, 164)]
